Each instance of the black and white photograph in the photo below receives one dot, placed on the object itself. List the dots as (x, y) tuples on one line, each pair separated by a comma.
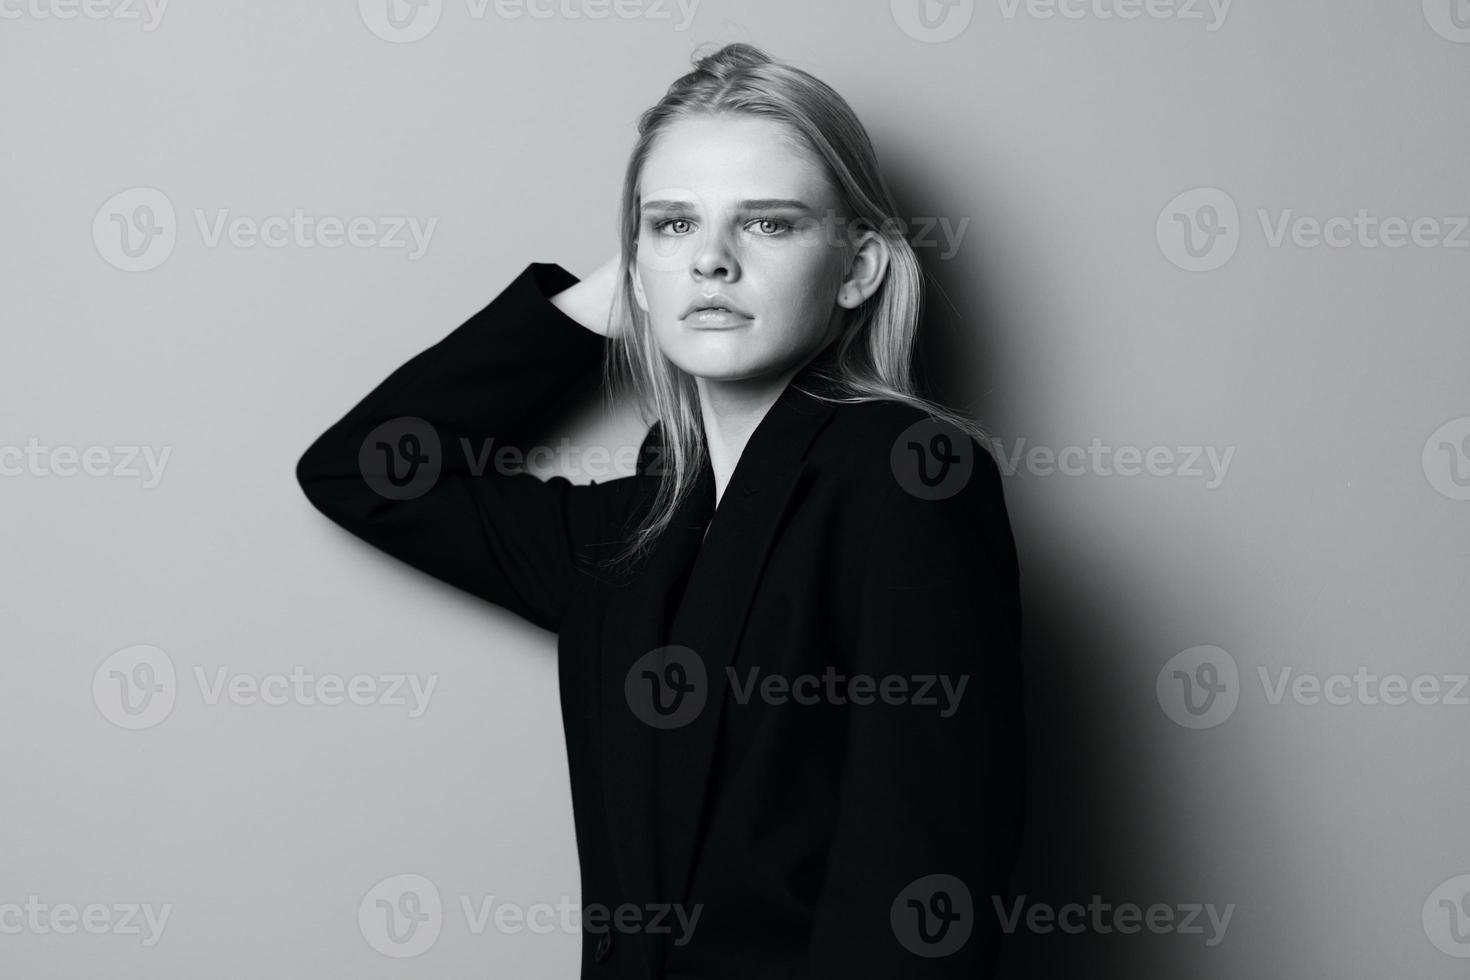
[(703, 489)]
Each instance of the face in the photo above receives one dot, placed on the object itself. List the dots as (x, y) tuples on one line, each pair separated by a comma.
[(731, 206)]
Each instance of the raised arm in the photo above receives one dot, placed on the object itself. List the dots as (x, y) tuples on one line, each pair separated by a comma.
[(415, 467)]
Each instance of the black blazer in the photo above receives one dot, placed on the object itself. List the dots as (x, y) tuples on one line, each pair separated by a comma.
[(849, 829)]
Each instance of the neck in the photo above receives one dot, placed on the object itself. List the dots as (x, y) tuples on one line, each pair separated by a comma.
[(731, 410)]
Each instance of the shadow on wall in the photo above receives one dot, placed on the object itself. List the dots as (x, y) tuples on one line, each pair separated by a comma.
[(1101, 818)]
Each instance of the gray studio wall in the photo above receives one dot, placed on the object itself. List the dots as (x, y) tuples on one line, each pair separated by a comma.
[(1131, 280)]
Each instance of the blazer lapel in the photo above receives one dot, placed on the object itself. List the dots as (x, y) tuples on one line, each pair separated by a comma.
[(712, 612), (638, 617), (657, 779)]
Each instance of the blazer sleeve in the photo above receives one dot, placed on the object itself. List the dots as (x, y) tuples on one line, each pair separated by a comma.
[(412, 468), (931, 796)]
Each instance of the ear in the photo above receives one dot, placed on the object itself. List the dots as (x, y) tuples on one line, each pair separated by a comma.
[(638, 288), (865, 271)]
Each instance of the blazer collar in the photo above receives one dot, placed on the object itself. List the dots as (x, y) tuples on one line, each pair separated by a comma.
[(693, 591)]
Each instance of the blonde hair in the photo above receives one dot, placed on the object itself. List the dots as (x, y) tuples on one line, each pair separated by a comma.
[(870, 359)]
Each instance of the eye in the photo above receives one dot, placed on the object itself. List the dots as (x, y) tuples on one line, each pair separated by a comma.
[(778, 226), (668, 223)]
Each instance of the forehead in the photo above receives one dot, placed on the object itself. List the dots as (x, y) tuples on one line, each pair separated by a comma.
[(731, 157)]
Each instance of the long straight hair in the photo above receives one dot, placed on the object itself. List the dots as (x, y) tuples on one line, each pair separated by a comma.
[(871, 357)]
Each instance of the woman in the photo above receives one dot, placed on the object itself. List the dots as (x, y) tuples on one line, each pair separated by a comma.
[(788, 644)]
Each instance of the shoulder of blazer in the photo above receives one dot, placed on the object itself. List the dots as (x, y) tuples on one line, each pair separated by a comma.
[(868, 448), (866, 436), (857, 447)]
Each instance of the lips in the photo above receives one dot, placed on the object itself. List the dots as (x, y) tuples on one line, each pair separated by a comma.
[(719, 302)]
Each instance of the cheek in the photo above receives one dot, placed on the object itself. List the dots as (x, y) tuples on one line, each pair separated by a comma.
[(666, 256), (802, 283), (658, 290)]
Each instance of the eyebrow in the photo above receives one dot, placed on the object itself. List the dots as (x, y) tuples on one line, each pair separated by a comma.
[(758, 204)]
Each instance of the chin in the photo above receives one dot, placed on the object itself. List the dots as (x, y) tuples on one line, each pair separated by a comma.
[(715, 354), (721, 364), (713, 368)]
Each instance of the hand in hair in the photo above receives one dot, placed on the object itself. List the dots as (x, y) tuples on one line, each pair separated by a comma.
[(590, 301)]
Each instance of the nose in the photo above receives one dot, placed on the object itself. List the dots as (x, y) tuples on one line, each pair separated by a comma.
[(715, 257)]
